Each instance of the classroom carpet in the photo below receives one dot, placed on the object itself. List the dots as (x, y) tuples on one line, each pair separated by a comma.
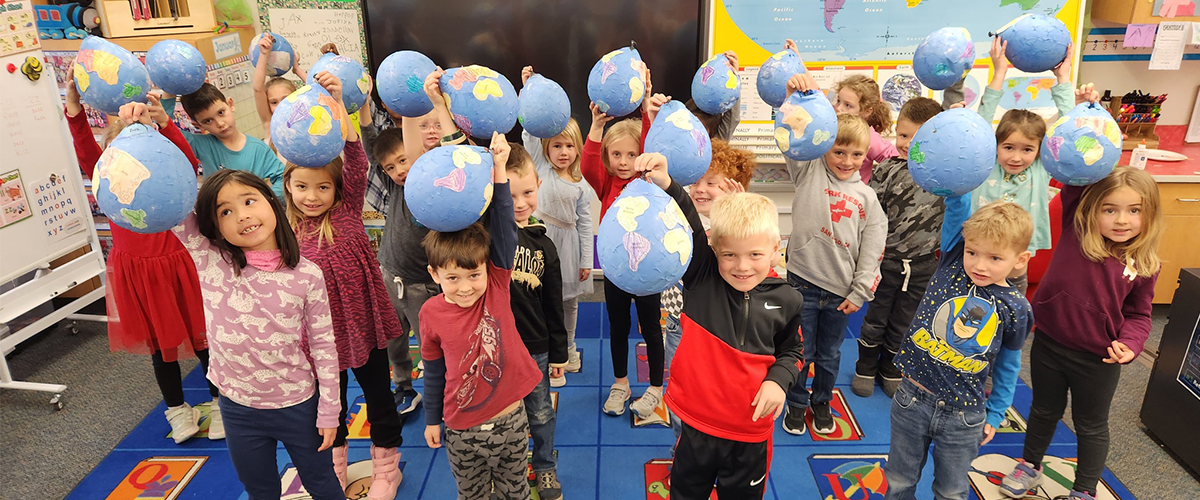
[(599, 457)]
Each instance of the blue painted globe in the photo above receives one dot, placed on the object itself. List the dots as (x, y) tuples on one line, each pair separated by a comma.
[(176, 67), (1036, 42), (144, 182), (449, 187), (1082, 146), (952, 153), (108, 76), (356, 82), (774, 74), (543, 107), (805, 126), (944, 57), (616, 84), (282, 55), (481, 100), (644, 243), (309, 128), (679, 135), (716, 87), (401, 83)]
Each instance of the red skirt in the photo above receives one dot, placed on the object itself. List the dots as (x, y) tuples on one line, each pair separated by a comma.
[(153, 294)]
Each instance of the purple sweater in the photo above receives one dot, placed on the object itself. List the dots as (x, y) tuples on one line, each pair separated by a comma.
[(1086, 305)]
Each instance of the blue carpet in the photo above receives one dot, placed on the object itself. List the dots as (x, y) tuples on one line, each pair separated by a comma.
[(600, 457)]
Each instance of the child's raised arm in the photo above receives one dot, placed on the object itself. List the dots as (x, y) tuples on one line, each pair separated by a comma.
[(433, 89), (260, 80), (958, 209), (501, 223), (995, 89)]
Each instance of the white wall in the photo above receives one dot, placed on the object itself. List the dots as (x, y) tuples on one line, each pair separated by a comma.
[(1126, 76)]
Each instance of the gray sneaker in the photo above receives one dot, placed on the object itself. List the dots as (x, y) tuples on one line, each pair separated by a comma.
[(548, 487), (574, 363), (618, 397), (1023, 479), (645, 405)]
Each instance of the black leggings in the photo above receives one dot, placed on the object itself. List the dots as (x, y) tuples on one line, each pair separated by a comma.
[(376, 385), (617, 301), (170, 380), (1056, 370)]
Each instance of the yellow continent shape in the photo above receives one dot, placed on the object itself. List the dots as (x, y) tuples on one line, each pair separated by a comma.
[(106, 66), (124, 173), (487, 197), (679, 242), (629, 209), (463, 155), (296, 95), (322, 121), (610, 55), (636, 89), (680, 119), (485, 87), (81, 78)]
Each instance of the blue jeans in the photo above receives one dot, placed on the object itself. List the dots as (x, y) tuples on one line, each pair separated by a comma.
[(919, 419), (251, 435), (673, 333), (824, 328), (542, 419)]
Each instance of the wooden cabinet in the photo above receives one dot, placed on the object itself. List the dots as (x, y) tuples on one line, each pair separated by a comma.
[(1132, 12), (1180, 245)]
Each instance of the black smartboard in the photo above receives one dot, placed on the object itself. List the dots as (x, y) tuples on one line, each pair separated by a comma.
[(561, 39)]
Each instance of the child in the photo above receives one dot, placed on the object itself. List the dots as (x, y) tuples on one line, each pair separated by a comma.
[(1093, 309), (154, 304), (1018, 175), (477, 370), (859, 95), (833, 258), (727, 381), (914, 220), (565, 205), (970, 323), (223, 146), (268, 92), (607, 164), (324, 207), (276, 369), (537, 307)]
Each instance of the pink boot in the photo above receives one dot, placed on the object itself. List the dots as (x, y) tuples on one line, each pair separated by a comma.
[(339, 464), (385, 473)]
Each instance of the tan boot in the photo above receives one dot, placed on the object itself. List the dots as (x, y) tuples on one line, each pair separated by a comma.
[(339, 464), (385, 473)]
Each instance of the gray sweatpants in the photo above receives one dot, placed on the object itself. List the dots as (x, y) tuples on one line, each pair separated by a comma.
[(491, 457), (408, 307)]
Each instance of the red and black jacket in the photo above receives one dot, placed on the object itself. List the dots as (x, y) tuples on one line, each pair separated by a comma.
[(732, 342)]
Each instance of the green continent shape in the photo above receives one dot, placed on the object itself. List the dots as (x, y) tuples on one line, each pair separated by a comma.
[(131, 91), (1090, 148), (135, 218), (1025, 4), (915, 154)]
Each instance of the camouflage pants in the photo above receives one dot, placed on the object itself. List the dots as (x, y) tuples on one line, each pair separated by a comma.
[(492, 456)]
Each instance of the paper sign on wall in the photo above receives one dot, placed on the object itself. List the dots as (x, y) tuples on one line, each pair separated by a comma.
[(1139, 35), (1168, 45)]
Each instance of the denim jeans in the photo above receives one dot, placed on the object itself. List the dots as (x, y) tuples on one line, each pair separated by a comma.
[(252, 435), (824, 328), (919, 419), (542, 418), (673, 333)]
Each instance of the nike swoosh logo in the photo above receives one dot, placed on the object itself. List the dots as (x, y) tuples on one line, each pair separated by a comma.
[(769, 307), (760, 480)]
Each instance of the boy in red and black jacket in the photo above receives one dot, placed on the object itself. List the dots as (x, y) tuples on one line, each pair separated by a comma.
[(741, 348)]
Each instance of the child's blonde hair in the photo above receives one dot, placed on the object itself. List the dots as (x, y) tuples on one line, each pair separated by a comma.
[(742, 215), (324, 230), (1028, 123), (279, 80), (874, 110), (571, 134), (733, 163), (1141, 250), (631, 128), (852, 131), (114, 128), (1000, 223)]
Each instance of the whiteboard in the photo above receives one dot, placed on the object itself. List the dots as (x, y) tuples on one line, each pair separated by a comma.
[(308, 29), (35, 143)]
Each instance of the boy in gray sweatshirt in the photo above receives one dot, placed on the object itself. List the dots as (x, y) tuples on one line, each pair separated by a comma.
[(839, 232)]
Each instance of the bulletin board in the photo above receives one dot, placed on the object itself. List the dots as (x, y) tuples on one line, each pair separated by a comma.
[(309, 24), (876, 39)]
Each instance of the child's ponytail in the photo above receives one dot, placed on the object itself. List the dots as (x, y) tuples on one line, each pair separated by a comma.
[(876, 112)]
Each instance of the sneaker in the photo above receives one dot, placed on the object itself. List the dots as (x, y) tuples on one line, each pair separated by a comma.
[(644, 406), (184, 422), (216, 425), (1079, 495), (547, 485), (1021, 481), (862, 386), (340, 463), (793, 421), (558, 381), (823, 419), (618, 396), (407, 401), (385, 473), (574, 363)]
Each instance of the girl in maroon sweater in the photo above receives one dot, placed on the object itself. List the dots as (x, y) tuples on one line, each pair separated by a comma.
[(1092, 315)]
